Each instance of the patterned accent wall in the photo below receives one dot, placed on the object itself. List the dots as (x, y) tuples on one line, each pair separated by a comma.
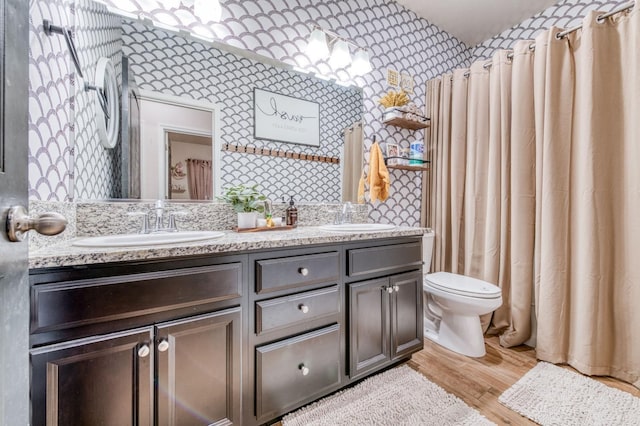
[(276, 29), (279, 29), (51, 109), (97, 169), (564, 14), (173, 65)]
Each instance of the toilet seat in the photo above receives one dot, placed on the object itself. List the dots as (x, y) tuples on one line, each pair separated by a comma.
[(463, 285)]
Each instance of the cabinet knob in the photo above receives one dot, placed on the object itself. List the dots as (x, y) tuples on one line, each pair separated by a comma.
[(304, 308), (163, 345), (389, 289), (396, 288), (143, 351), (304, 369), (304, 271)]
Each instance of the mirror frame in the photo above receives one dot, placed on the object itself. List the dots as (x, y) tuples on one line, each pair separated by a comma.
[(214, 109)]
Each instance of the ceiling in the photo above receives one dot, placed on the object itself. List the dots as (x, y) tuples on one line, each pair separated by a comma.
[(474, 21)]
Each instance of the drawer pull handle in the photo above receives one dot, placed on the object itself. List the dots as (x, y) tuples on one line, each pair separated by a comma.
[(143, 351), (304, 369), (304, 308), (304, 271), (396, 288), (163, 345)]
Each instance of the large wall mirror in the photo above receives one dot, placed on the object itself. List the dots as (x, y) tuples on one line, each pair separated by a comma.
[(195, 81)]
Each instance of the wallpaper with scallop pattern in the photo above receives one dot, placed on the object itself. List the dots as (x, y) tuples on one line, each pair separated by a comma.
[(565, 14), (276, 29), (174, 65)]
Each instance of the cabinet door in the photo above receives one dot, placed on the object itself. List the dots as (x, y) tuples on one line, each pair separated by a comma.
[(406, 314), (105, 380), (368, 326), (199, 370)]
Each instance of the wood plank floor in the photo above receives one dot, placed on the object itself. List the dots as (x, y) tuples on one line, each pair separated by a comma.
[(480, 381)]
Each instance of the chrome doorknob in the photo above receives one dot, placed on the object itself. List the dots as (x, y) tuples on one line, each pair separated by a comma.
[(163, 345), (304, 369), (19, 223)]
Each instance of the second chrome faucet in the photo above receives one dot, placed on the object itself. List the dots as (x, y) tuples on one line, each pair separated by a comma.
[(159, 212)]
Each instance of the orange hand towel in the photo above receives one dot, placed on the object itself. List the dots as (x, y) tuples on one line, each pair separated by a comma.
[(378, 175), (361, 188)]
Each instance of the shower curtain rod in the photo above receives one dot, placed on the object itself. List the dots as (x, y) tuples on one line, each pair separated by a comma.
[(562, 34)]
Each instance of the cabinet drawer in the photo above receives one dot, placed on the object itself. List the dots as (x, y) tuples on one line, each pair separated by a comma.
[(296, 271), (296, 370), (71, 304), (296, 309), (383, 259)]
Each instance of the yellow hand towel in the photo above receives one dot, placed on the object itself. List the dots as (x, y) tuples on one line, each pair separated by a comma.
[(378, 175), (361, 188)]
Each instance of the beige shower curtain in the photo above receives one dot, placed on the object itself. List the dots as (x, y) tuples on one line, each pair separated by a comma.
[(477, 137), (353, 154), (551, 193), (589, 274)]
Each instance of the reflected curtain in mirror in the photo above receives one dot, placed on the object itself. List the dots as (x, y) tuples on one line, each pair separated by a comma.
[(352, 158), (199, 175)]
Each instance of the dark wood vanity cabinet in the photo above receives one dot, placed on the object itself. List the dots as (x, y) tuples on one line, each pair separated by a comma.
[(296, 335), (385, 313), (182, 367), (104, 380), (229, 339)]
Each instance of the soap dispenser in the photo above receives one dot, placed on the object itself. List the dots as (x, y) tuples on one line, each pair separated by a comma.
[(292, 213)]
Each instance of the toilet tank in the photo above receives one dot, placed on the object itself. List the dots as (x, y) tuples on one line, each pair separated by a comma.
[(427, 250)]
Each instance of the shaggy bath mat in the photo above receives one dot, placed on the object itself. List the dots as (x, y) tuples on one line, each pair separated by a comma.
[(400, 396), (551, 395)]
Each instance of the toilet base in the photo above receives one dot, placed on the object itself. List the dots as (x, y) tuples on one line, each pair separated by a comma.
[(459, 333)]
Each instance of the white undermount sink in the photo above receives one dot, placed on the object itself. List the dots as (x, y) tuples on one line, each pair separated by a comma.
[(128, 240), (358, 227)]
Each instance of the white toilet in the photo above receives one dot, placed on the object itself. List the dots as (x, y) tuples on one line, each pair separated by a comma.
[(452, 307)]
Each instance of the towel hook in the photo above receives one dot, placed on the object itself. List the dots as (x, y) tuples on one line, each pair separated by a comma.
[(49, 29)]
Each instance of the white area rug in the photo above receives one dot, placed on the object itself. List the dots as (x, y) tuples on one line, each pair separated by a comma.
[(400, 396), (551, 395)]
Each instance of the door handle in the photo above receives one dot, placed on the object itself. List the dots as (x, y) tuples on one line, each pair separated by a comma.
[(19, 223)]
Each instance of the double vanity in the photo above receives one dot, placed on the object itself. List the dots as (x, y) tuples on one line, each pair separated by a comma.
[(239, 329)]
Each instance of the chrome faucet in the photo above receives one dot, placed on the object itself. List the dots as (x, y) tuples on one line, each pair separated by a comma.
[(159, 208), (344, 214), (159, 212), (347, 212)]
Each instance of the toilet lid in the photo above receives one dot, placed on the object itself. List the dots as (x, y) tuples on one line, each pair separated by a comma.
[(463, 285)]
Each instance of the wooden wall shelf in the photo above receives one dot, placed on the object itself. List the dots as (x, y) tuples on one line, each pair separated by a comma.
[(410, 167), (408, 124)]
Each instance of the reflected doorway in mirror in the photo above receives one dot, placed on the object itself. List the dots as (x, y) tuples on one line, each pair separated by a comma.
[(176, 135)]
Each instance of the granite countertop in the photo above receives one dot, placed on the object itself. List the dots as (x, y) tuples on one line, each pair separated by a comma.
[(65, 254)]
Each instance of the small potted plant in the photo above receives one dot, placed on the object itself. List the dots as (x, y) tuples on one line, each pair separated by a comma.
[(247, 201)]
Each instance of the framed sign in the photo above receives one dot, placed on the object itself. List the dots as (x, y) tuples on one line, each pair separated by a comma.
[(284, 118)]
